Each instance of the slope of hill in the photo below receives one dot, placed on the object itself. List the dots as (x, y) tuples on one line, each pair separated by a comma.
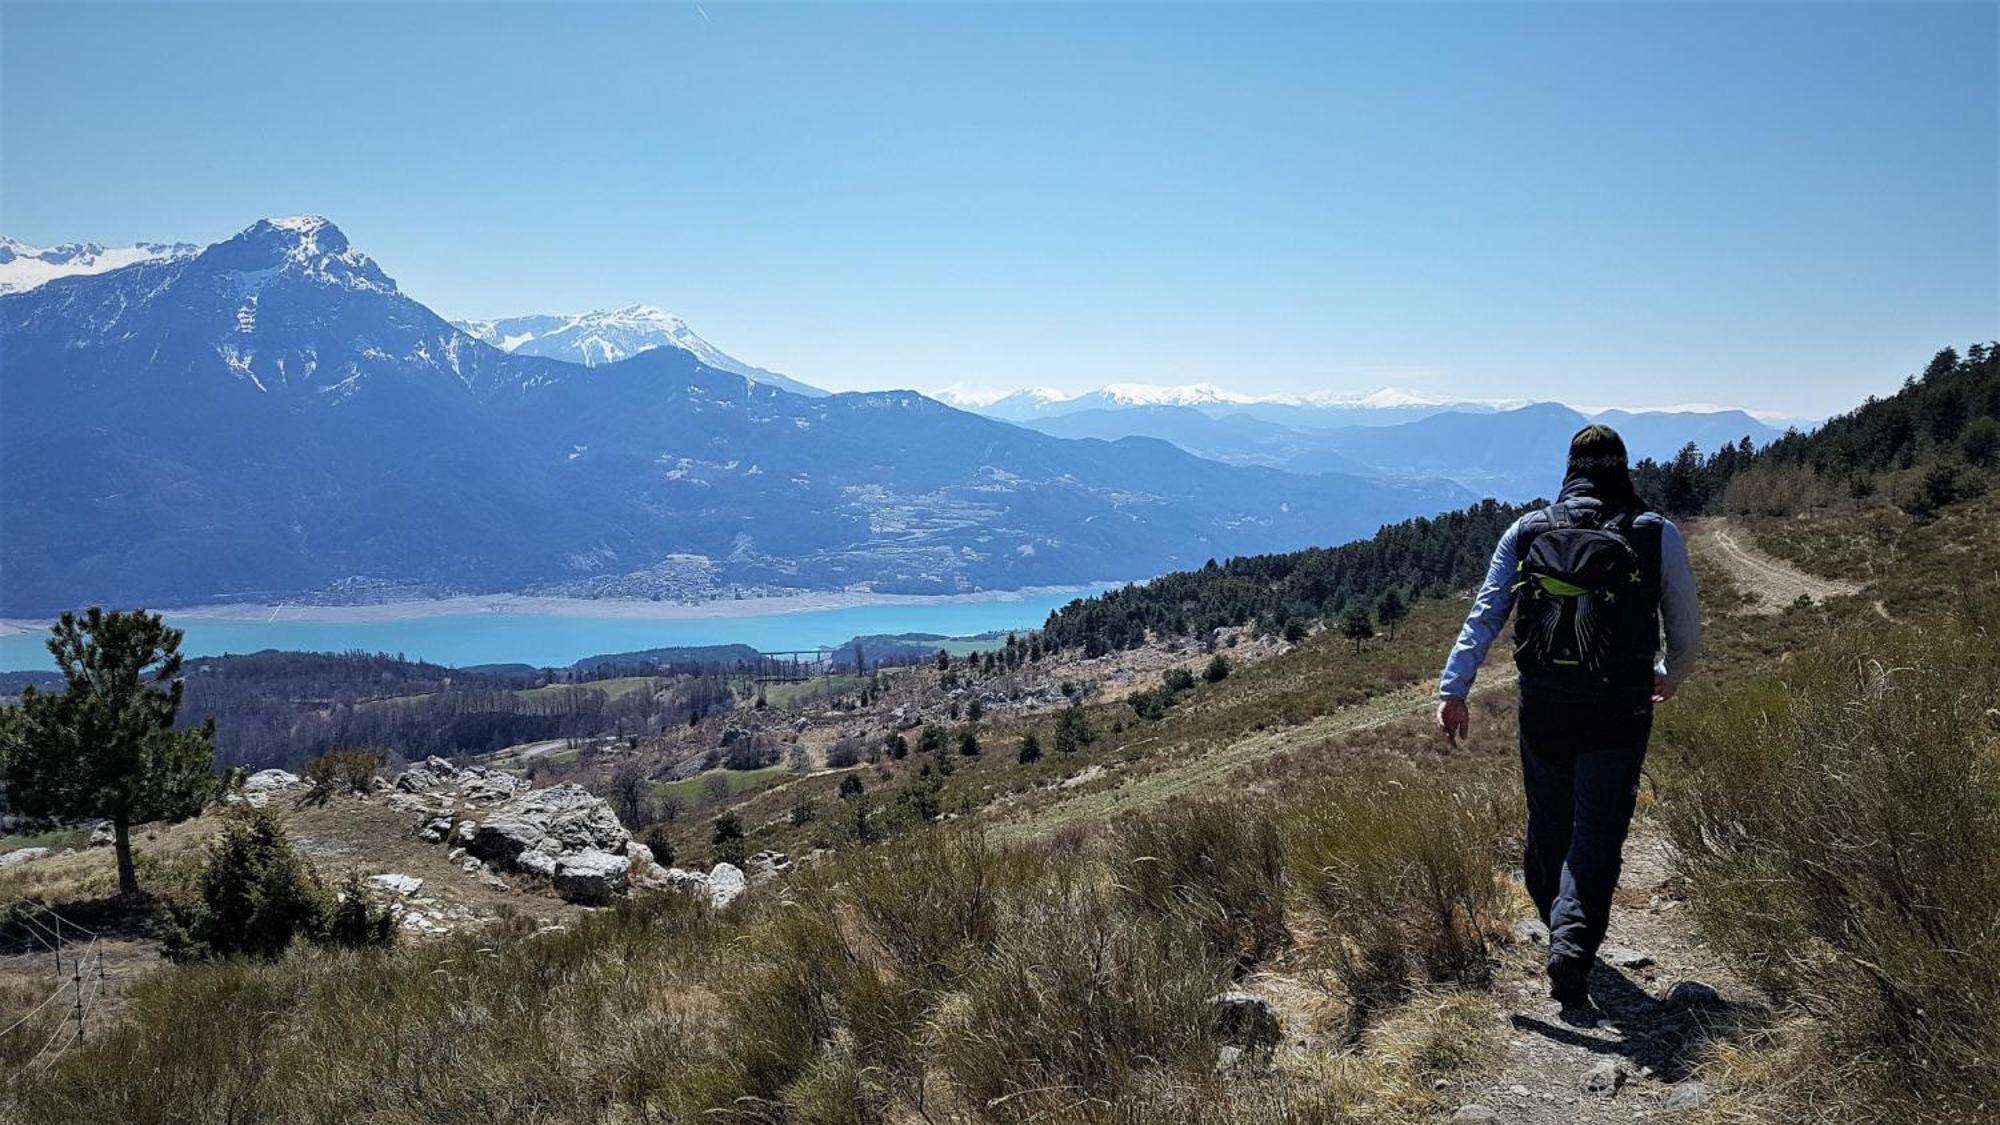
[(273, 416), (1229, 877)]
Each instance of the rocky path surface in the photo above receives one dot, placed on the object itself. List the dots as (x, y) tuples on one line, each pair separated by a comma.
[(1775, 582), (1659, 999)]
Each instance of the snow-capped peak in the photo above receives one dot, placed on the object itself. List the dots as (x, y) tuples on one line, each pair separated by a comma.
[(978, 396), (601, 336), (1147, 394), (307, 246), (24, 267)]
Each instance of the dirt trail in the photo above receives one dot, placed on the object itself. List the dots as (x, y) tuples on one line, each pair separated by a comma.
[(1155, 786), (1660, 998), (1775, 582)]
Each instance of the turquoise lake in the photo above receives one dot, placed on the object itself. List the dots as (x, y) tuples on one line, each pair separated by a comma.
[(555, 640)]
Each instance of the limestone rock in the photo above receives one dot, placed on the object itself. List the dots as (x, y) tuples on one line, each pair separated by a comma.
[(396, 883), (22, 855), (1475, 1112), (427, 775), (559, 821), (260, 787), (591, 877), (725, 883)]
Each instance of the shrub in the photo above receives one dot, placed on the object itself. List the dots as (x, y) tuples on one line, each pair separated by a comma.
[(343, 771), (1217, 670), (726, 841), (844, 753), (1401, 874), (1216, 865), (1843, 832), (353, 922), (660, 843), (1031, 749), (1073, 731), (1177, 680), (252, 897), (968, 741)]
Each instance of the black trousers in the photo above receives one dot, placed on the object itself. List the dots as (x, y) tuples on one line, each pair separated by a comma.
[(1580, 765)]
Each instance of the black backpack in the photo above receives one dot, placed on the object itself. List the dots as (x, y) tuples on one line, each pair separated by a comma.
[(1587, 597)]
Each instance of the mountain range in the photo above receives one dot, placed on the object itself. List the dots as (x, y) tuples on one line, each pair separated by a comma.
[(272, 417), (1513, 454), (599, 337), (23, 267)]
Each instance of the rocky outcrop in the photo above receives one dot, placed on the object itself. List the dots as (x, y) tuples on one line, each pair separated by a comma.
[(591, 877), (564, 834), (260, 787)]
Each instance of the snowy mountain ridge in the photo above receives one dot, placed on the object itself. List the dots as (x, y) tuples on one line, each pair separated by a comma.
[(24, 267), (608, 335)]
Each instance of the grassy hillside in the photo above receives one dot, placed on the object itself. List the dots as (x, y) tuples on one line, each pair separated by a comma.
[(994, 936)]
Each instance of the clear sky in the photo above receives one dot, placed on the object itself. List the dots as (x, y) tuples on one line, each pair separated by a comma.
[(1783, 206)]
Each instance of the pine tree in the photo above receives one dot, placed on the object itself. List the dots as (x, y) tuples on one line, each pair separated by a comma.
[(1391, 610), (1356, 627), (1031, 749), (106, 745)]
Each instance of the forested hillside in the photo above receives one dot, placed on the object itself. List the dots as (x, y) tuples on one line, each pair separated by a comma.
[(1934, 441)]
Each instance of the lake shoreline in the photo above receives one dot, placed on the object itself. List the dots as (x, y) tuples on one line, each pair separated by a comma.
[(625, 609)]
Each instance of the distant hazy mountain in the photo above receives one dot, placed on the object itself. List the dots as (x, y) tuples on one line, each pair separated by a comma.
[(273, 416), (23, 267), (593, 338), (1318, 410), (1518, 454)]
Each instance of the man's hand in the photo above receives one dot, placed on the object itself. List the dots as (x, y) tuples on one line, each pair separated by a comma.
[(1453, 719), (1663, 689)]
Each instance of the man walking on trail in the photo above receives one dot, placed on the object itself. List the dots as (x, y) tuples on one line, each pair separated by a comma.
[(1590, 579)]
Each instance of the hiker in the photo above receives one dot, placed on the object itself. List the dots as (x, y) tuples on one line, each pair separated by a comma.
[(1591, 579)]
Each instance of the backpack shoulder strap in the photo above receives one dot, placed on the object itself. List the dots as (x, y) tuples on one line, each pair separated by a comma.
[(1559, 515)]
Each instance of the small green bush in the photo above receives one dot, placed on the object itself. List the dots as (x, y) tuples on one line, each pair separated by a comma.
[(252, 897)]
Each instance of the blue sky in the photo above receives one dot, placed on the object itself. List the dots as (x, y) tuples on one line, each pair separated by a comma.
[(1783, 206)]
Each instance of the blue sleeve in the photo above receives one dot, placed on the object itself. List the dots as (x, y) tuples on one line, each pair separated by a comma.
[(1489, 613), (1680, 610)]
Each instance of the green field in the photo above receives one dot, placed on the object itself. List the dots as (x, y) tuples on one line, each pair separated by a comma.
[(689, 790)]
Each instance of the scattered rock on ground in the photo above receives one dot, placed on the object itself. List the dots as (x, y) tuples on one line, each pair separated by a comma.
[(22, 855), (1475, 1112), (102, 835), (1687, 1095), (1693, 995), (1626, 958), (396, 883), (1245, 1019), (1531, 930), (1603, 1079)]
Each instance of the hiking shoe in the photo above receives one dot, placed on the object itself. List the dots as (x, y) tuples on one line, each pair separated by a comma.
[(1569, 982)]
